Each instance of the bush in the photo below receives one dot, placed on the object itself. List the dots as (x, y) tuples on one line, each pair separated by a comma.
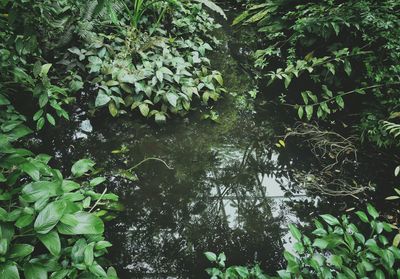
[(337, 248)]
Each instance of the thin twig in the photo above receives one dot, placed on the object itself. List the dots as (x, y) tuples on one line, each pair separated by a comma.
[(149, 159), (97, 202)]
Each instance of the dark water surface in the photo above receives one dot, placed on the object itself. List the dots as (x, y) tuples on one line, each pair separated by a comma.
[(227, 188)]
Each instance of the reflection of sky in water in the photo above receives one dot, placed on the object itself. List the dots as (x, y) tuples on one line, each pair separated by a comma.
[(273, 192)]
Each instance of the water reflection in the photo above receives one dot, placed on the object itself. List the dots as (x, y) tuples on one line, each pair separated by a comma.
[(226, 190), (224, 193)]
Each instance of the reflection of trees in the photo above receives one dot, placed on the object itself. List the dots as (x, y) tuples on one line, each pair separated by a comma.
[(212, 200)]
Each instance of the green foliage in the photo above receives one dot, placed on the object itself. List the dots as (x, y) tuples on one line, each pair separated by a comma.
[(322, 52), (155, 75), (337, 248), (49, 225), (144, 55)]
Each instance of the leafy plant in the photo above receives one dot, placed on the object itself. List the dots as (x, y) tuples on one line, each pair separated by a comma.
[(324, 53), (155, 75), (49, 225), (336, 249)]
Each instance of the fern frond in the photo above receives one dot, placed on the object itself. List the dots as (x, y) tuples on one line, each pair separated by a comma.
[(211, 5), (392, 128)]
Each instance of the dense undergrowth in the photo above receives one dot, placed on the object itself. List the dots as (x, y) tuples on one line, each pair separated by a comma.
[(334, 62), (145, 56), (149, 59)]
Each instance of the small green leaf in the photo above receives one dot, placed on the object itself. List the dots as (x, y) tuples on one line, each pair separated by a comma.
[(333, 221), (112, 108), (81, 167), (96, 181), (102, 99), (212, 257), (372, 211), (51, 119), (295, 232), (363, 217), (309, 112), (144, 109), (45, 70)]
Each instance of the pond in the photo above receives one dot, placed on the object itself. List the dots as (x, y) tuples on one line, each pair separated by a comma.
[(217, 187)]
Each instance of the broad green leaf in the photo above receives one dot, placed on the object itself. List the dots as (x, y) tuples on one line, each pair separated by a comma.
[(81, 167), (24, 220), (45, 70), (31, 170), (88, 255), (97, 270), (102, 99), (48, 218), (42, 189), (20, 251), (9, 271), (379, 274), (309, 111), (35, 271), (144, 109), (102, 245), (320, 243), (396, 240), (52, 242), (172, 99), (85, 223)]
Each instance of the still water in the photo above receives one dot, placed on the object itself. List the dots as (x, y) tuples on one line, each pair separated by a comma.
[(222, 186)]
